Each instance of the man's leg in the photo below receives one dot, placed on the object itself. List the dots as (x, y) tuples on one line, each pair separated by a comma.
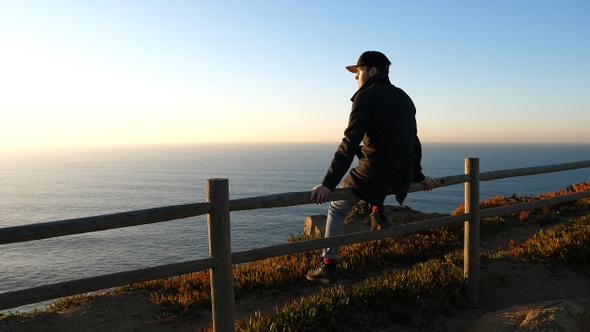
[(337, 211), (335, 223), (378, 218)]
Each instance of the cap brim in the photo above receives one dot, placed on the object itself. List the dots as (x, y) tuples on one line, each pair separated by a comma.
[(352, 69)]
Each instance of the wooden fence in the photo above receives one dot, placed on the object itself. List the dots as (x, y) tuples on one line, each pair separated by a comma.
[(221, 260)]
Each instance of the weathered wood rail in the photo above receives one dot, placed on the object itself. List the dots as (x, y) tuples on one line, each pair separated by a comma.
[(221, 258)]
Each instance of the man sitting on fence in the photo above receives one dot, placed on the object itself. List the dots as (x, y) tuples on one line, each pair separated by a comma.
[(383, 119)]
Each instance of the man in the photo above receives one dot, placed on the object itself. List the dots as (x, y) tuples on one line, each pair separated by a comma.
[(383, 119)]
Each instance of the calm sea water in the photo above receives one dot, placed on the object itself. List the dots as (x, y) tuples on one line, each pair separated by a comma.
[(77, 184)]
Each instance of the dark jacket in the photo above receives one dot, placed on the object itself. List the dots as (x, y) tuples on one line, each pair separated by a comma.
[(383, 118)]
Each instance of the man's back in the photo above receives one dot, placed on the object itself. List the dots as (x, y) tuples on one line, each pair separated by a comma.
[(391, 130)]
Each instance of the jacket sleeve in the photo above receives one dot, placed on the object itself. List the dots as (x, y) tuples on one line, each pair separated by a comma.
[(418, 175), (353, 135)]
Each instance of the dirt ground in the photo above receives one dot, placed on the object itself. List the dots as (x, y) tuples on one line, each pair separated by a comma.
[(503, 284)]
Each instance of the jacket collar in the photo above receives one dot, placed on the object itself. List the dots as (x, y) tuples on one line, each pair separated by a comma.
[(377, 78)]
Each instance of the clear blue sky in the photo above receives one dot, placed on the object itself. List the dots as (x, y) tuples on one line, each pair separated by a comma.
[(85, 73)]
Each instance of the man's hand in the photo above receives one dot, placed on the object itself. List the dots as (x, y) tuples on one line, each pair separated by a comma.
[(429, 183), (319, 193)]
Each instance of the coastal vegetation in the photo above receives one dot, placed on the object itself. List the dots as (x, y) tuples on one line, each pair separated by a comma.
[(388, 281)]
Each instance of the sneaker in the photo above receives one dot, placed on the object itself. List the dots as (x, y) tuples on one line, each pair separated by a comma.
[(326, 273), (379, 220)]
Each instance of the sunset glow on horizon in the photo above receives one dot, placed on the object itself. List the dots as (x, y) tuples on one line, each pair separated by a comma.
[(109, 73)]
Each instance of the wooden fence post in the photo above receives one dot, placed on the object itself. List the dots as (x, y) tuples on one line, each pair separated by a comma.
[(222, 283), (471, 236)]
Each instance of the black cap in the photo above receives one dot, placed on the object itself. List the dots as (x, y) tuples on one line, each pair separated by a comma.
[(370, 59)]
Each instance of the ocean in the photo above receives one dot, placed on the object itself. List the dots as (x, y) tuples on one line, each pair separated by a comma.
[(81, 183)]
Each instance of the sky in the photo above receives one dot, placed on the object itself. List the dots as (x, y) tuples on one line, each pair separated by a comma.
[(106, 73)]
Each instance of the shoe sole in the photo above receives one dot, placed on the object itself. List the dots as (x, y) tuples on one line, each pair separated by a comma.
[(376, 226), (322, 280)]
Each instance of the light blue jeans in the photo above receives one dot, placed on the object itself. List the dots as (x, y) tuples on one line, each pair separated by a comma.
[(335, 223)]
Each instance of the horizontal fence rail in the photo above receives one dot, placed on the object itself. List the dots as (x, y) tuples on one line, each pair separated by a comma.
[(51, 229), (504, 210), (161, 214), (333, 241), (302, 197), (510, 173), (53, 291), (46, 230)]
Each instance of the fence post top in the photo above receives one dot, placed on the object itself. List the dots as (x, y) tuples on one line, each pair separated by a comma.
[(217, 180)]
